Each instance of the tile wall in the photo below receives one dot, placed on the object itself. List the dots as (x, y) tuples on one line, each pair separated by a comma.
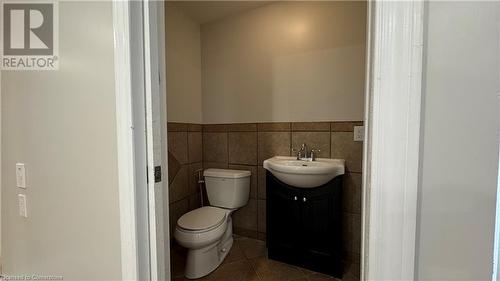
[(246, 146), (184, 159)]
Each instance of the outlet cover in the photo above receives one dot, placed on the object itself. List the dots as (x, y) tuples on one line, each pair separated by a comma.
[(23, 209), (359, 133), (20, 175)]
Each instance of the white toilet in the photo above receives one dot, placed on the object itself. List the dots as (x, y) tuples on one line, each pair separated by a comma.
[(207, 232)]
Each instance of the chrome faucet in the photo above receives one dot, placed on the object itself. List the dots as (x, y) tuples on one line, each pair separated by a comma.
[(304, 154), (303, 151)]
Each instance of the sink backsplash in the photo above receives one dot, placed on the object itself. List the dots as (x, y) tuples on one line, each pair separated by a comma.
[(245, 147)]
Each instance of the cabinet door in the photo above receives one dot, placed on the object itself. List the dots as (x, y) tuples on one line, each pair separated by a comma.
[(283, 217), (321, 224)]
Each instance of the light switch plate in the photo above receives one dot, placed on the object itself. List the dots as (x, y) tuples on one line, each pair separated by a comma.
[(359, 133), (20, 175), (23, 208)]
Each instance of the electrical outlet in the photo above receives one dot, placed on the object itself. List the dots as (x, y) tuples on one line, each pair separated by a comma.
[(23, 208), (20, 175), (359, 133)]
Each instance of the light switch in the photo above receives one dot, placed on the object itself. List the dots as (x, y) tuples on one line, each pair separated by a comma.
[(359, 133), (20, 175), (23, 209)]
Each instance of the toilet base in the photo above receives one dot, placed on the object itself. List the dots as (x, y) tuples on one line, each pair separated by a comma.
[(201, 262)]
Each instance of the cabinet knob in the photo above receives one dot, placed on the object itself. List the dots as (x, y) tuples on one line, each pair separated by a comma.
[(295, 198), (304, 199)]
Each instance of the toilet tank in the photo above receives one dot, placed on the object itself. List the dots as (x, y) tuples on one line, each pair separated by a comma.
[(227, 189)]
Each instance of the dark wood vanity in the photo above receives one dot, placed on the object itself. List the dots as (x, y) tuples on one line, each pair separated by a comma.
[(304, 225)]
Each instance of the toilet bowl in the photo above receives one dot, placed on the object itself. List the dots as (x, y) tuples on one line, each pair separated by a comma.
[(207, 232)]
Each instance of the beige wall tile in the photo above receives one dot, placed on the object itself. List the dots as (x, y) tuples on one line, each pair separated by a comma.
[(194, 201), (356, 233), (173, 167), (177, 209), (195, 147), (261, 182), (215, 147), (345, 126), (246, 217), (242, 127), (274, 127), (193, 177), (179, 188), (177, 145), (177, 127), (194, 128), (253, 177), (261, 236), (313, 140), (215, 128), (347, 233), (351, 233), (215, 165), (344, 147), (351, 271), (246, 232), (351, 257), (243, 148), (311, 126), (261, 219), (351, 193), (273, 144)]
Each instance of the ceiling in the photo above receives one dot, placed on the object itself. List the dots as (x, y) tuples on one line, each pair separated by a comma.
[(207, 11)]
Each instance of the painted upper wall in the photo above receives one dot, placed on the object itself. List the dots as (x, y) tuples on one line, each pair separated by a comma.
[(62, 125), (460, 141), (183, 56), (289, 61)]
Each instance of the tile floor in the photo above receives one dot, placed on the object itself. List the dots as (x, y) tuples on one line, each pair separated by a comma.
[(247, 261)]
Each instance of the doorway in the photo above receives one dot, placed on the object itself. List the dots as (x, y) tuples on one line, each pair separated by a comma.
[(247, 81), (380, 189)]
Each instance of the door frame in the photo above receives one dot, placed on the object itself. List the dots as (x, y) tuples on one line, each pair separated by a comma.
[(140, 107), (391, 150)]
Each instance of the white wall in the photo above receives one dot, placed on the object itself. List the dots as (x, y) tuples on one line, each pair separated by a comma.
[(183, 57), (292, 61), (460, 142), (62, 125)]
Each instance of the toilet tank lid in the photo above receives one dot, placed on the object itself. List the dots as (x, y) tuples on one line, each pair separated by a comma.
[(228, 174)]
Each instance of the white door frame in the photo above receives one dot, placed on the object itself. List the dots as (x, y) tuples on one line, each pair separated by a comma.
[(139, 94), (153, 13), (125, 139), (391, 149)]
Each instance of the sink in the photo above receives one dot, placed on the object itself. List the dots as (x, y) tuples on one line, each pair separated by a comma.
[(305, 174)]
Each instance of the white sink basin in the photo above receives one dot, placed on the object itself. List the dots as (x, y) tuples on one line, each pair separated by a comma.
[(306, 174)]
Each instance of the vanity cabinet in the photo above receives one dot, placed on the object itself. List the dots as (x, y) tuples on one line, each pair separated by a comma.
[(304, 225)]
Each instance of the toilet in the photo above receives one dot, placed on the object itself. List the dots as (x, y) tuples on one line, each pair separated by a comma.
[(207, 232)]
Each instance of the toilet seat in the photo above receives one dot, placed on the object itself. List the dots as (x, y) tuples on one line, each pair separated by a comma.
[(203, 219), (202, 227)]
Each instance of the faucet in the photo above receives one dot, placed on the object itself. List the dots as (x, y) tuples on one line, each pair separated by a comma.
[(304, 154), (303, 151)]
